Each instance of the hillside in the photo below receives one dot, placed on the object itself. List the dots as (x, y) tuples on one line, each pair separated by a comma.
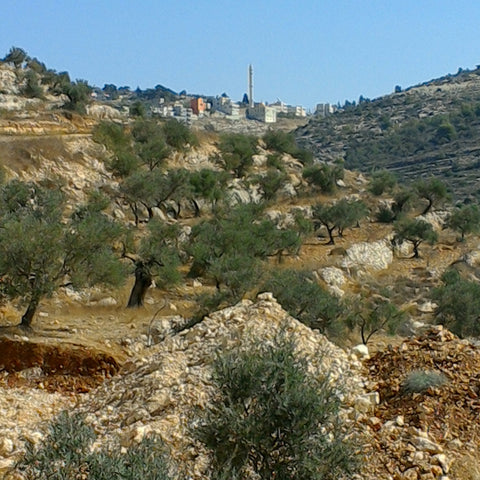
[(136, 371), (428, 129)]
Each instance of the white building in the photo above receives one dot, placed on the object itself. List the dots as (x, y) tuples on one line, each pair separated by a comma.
[(262, 113), (225, 105), (324, 109), (298, 111)]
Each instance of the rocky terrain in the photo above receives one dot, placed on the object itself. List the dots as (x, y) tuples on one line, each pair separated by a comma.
[(133, 372)]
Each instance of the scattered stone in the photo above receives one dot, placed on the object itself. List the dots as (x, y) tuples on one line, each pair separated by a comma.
[(367, 402), (427, 307), (6, 447), (107, 302), (361, 352)]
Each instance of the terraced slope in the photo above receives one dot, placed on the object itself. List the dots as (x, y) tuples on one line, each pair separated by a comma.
[(429, 129)]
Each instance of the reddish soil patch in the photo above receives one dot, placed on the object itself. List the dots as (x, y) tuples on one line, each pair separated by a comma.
[(64, 367), (448, 413)]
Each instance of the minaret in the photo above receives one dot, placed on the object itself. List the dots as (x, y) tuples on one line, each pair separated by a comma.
[(250, 85)]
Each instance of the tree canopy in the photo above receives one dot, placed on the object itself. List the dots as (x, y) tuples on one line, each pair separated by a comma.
[(416, 232), (41, 250), (465, 220)]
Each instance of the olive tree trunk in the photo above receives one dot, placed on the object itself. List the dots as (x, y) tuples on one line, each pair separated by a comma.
[(27, 317), (143, 280)]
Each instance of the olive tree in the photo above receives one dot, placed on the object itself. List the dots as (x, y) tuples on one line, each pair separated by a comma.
[(78, 94), (17, 56), (229, 248), (303, 298), (236, 152), (157, 257), (382, 181), (41, 249), (323, 176), (416, 232), (433, 190), (208, 185), (340, 215), (458, 303), (273, 418), (371, 316), (465, 220)]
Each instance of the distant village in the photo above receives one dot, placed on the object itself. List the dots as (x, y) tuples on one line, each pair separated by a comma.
[(189, 108)]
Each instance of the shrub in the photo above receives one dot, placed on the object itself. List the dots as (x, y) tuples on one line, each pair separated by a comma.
[(237, 151), (419, 381), (178, 135), (385, 215), (458, 303), (65, 454), (273, 418), (382, 181), (281, 142), (32, 88), (304, 299), (323, 176)]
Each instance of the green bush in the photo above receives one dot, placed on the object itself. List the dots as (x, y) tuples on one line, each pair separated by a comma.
[(304, 299), (32, 88), (385, 215), (178, 135), (281, 142), (237, 151), (323, 176), (458, 303), (419, 381), (273, 419), (65, 454), (382, 181)]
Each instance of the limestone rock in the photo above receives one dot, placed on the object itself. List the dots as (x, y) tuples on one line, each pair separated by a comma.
[(334, 278), (427, 307), (371, 256), (361, 352), (8, 80), (6, 447), (367, 402), (103, 111)]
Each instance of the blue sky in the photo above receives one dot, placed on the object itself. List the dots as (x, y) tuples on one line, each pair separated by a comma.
[(303, 52)]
